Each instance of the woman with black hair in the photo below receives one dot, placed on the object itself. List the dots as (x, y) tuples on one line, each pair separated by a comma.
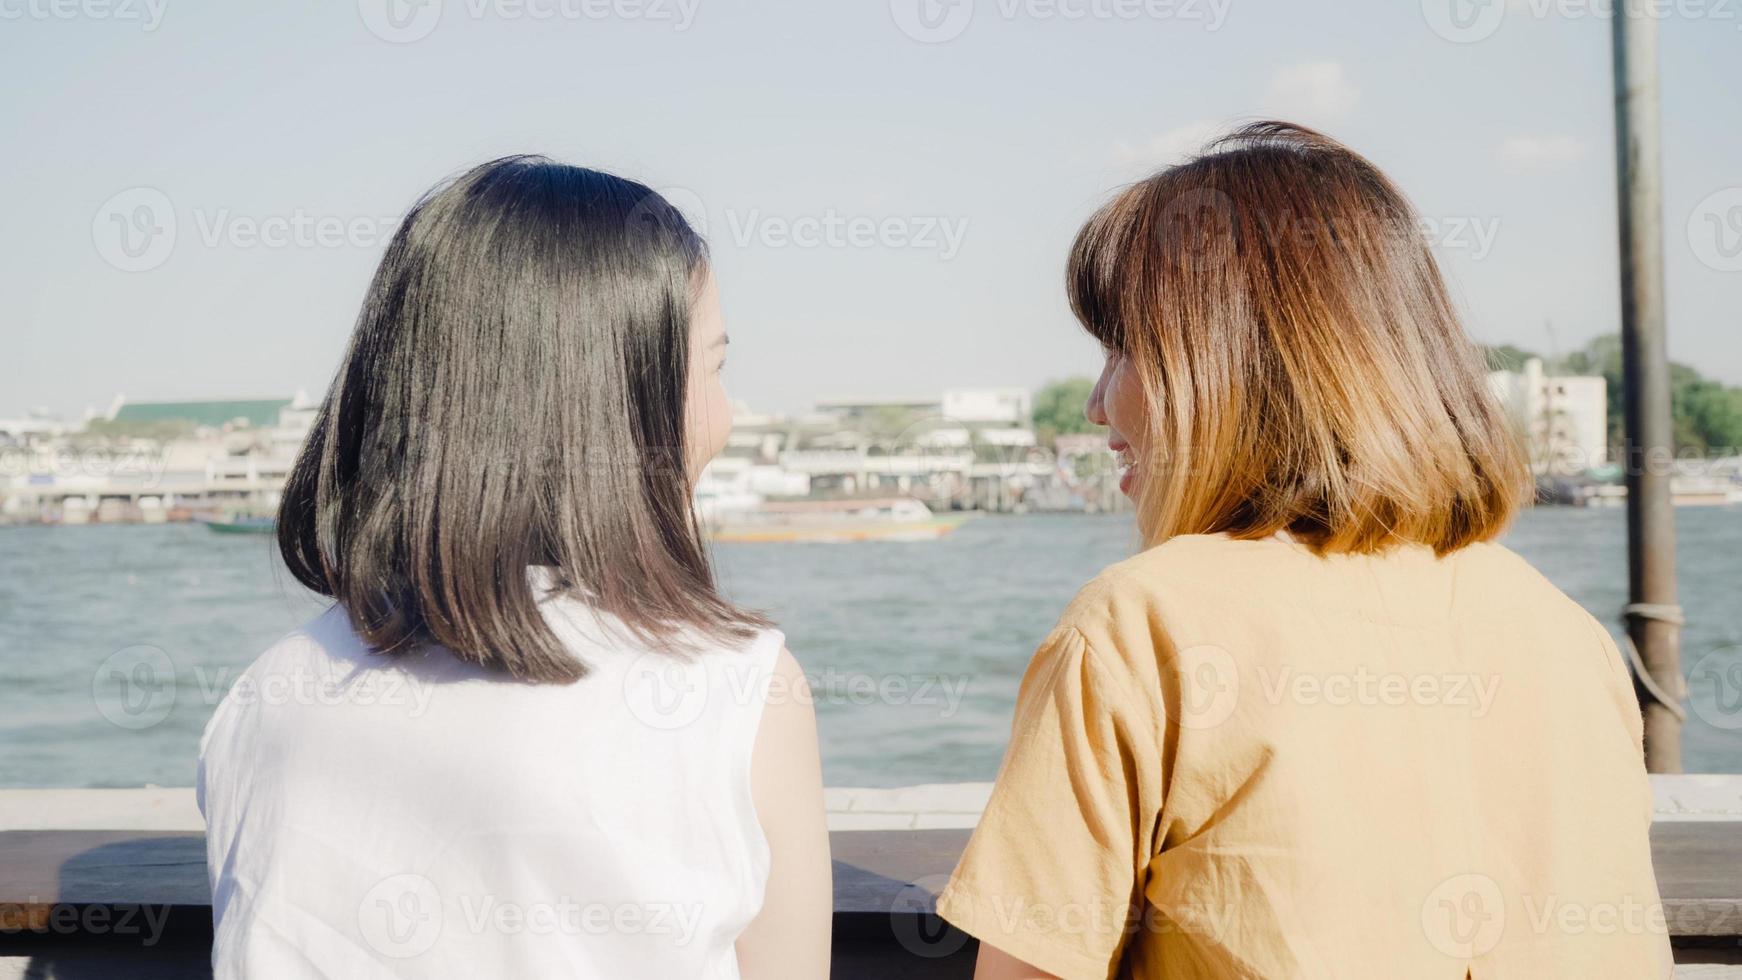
[(530, 738)]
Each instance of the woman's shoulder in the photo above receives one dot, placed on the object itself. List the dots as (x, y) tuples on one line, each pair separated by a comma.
[(327, 637), (331, 641), (1177, 590), (1205, 568), (1208, 566), (1202, 583), (1503, 571)]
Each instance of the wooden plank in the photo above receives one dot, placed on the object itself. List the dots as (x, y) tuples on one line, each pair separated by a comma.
[(81, 867), (873, 868), (881, 877), (1699, 876)]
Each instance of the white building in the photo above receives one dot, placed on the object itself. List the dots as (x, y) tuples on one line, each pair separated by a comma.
[(999, 406), (34, 428), (1564, 418), (974, 407)]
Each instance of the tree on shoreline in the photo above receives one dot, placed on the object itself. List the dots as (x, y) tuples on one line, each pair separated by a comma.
[(1058, 409)]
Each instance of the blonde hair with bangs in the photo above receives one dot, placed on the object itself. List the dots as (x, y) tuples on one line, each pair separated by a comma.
[(1302, 362)]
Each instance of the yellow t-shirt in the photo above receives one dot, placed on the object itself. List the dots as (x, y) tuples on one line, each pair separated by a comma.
[(1238, 759)]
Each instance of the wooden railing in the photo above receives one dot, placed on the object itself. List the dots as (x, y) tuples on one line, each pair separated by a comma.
[(98, 903)]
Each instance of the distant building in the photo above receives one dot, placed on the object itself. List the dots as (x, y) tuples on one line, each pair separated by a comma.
[(1564, 418), (1000, 406), (848, 410), (938, 449), (254, 412), (967, 448), (234, 455), (35, 428), (968, 406)]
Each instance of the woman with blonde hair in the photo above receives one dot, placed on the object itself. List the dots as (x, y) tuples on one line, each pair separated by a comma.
[(1322, 726)]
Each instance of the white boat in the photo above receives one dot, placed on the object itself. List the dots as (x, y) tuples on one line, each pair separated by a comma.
[(876, 519)]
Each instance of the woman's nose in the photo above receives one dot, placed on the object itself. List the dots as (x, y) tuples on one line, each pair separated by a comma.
[(1093, 410)]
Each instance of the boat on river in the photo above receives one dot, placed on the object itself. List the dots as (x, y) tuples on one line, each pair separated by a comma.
[(876, 519), (242, 524)]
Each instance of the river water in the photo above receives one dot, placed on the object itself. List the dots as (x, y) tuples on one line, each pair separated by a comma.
[(914, 649)]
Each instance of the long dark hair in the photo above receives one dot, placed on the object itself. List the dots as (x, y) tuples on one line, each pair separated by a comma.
[(513, 396)]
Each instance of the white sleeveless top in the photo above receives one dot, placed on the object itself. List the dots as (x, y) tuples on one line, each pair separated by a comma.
[(424, 817)]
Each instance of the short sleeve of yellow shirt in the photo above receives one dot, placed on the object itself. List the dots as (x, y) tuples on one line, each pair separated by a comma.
[(1238, 759), (1077, 783)]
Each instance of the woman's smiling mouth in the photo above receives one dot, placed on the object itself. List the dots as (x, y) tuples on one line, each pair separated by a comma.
[(1127, 462)]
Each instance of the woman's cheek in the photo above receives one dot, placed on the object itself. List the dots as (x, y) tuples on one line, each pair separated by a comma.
[(1125, 408), (709, 423), (719, 418)]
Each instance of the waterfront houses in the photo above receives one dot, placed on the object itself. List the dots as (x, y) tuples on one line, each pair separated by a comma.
[(156, 461), (966, 449)]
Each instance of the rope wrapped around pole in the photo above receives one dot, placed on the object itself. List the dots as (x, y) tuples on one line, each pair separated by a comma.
[(1663, 613)]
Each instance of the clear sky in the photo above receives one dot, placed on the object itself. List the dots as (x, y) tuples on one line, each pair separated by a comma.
[(195, 193)]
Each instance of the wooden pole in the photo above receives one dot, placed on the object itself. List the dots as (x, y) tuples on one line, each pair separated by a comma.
[(1653, 617)]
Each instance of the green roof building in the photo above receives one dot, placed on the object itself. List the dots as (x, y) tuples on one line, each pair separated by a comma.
[(258, 413)]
